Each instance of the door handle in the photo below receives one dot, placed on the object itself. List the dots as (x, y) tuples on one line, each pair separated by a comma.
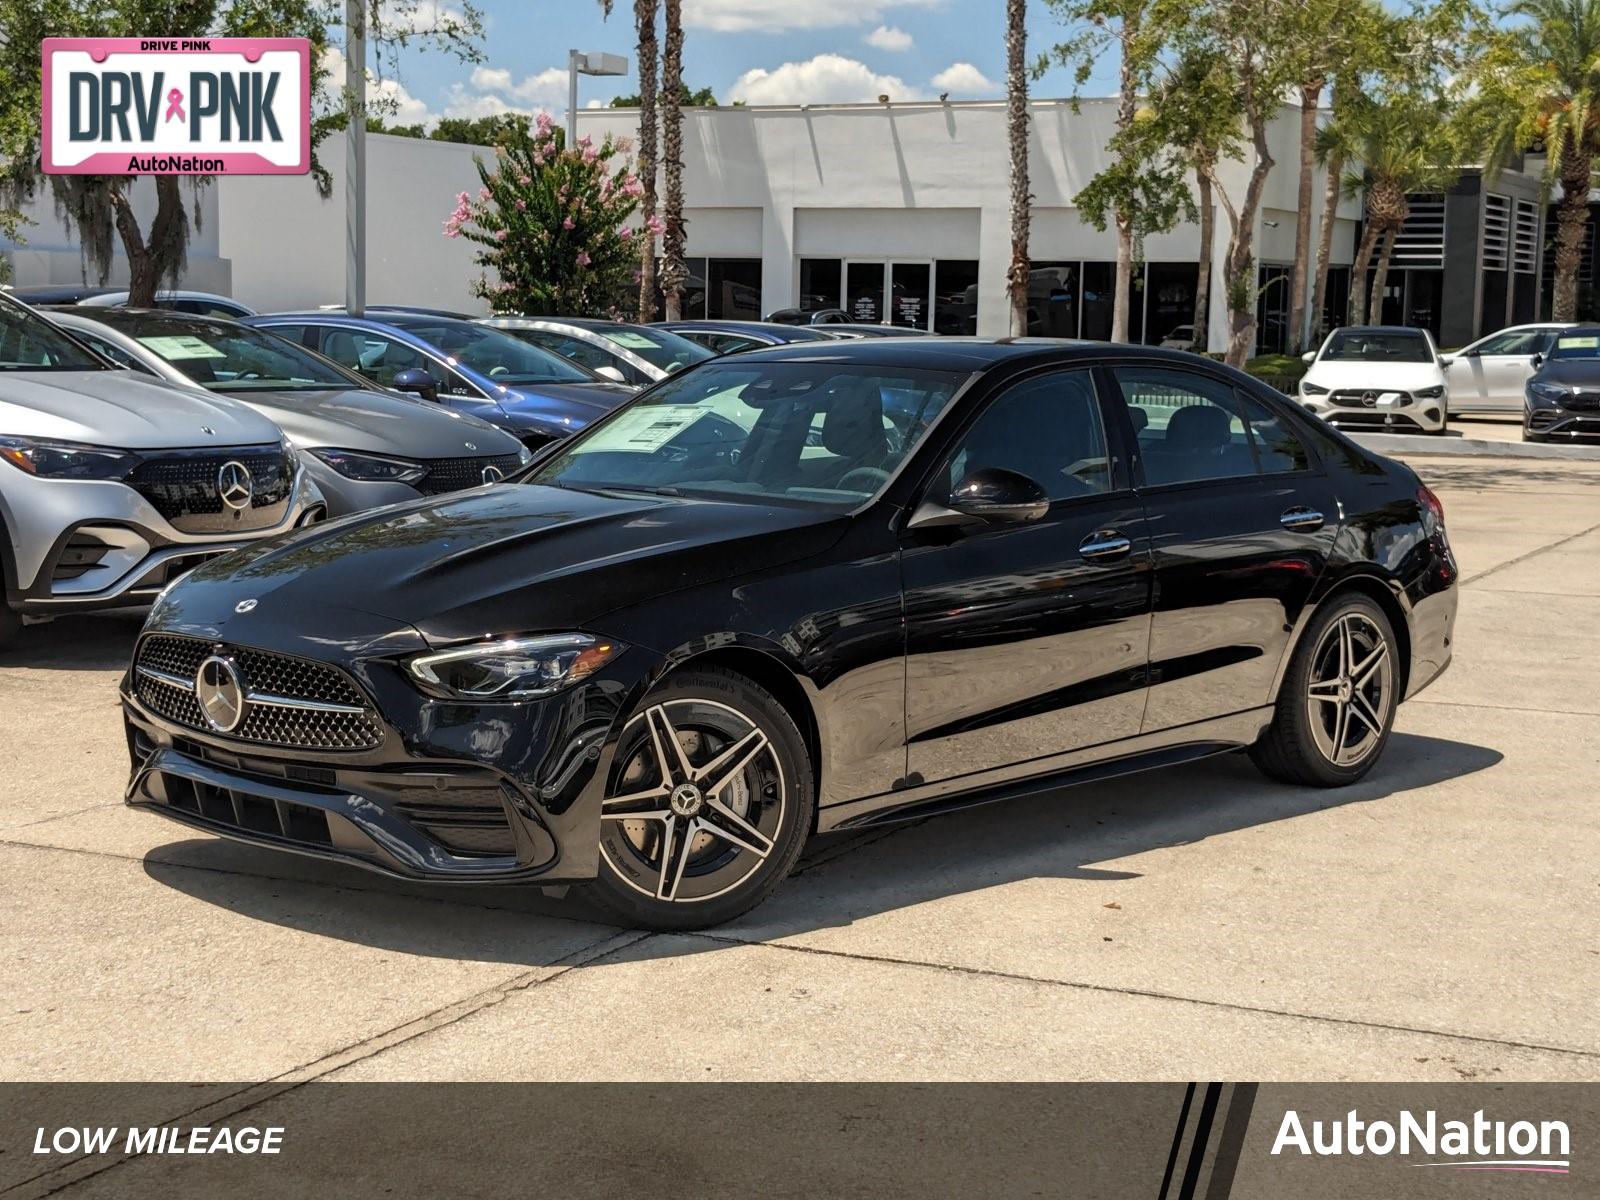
[(1302, 519), (1103, 545)]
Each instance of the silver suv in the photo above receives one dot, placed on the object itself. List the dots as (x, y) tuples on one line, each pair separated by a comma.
[(112, 486)]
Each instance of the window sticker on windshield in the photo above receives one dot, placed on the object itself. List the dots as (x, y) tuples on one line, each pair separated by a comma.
[(181, 345), (633, 341), (1578, 343), (648, 429)]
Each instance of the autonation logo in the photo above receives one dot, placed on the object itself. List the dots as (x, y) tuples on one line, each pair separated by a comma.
[(1478, 1144)]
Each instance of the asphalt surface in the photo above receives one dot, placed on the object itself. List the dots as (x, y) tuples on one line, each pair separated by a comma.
[(1437, 921)]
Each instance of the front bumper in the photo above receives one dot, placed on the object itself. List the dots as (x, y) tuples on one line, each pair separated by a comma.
[(44, 519), (1417, 416), (1560, 424), (451, 792)]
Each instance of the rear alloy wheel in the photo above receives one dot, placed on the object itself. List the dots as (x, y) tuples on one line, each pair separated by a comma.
[(709, 802), (1338, 700)]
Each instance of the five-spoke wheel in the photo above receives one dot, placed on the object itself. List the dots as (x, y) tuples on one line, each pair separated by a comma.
[(1338, 698), (708, 803)]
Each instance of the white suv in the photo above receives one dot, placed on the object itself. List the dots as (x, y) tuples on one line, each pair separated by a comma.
[(1382, 377), (113, 484)]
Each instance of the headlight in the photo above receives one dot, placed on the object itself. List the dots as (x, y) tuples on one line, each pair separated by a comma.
[(372, 468), (515, 669), (1432, 393), (1553, 392), (66, 460), (1312, 389)]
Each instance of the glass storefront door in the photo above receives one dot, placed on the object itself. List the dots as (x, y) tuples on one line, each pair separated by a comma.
[(863, 291), (889, 293)]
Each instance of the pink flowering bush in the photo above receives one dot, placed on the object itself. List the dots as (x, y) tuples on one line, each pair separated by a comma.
[(552, 224)]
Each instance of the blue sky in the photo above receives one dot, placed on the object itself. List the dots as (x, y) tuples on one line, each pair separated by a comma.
[(760, 51)]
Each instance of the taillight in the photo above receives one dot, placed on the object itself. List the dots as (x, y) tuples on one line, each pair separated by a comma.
[(1429, 501)]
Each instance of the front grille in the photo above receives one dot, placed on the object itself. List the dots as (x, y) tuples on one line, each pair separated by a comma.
[(182, 486), (1365, 397), (1581, 401), (287, 698), (454, 474), (1372, 419)]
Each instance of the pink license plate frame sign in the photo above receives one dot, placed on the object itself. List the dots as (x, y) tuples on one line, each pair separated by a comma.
[(176, 106)]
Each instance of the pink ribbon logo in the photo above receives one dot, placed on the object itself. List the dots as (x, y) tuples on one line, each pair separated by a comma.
[(175, 105)]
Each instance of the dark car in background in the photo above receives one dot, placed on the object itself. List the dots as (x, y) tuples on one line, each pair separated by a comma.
[(537, 396), (364, 447), (733, 337), (638, 355), (1563, 394), (813, 588)]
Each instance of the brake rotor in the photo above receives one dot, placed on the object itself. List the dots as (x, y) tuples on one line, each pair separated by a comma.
[(736, 795)]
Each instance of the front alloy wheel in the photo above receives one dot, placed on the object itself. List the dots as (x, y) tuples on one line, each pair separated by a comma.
[(708, 804)]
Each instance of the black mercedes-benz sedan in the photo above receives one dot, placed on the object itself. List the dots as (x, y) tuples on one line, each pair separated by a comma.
[(798, 590), (1563, 393)]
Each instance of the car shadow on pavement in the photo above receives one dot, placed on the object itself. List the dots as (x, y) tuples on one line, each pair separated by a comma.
[(1061, 834)]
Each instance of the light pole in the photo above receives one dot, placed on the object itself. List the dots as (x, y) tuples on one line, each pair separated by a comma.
[(592, 62)]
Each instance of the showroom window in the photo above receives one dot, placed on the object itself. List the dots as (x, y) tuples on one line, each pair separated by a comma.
[(915, 293), (718, 289)]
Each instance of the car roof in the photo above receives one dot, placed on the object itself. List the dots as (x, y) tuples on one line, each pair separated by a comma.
[(1380, 329), (119, 317), (959, 353)]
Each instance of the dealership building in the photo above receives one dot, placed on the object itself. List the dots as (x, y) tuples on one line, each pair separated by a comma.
[(894, 212)]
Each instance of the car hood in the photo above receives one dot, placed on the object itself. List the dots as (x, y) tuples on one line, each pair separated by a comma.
[(1402, 376), (359, 419), (506, 559), (1571, 372), (124, 410), (572, 405)]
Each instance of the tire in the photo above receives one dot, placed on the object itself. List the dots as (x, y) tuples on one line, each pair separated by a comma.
[(10, 626), (1299, 746), (743, 748)]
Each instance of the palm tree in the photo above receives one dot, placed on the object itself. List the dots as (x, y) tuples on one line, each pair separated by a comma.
[(673, 270), (1406, 144), (1310, 102), (1329, 151), (1540, 82), (1017, 130), (644, 19)]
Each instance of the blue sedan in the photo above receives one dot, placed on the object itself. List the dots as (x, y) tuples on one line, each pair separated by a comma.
[(535, 394)]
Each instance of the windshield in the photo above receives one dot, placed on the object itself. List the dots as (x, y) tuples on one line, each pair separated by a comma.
[(1376, 345), (808, 433), (657, 347), (237, 358), (493, 354), (30, 343), (1577, 344)]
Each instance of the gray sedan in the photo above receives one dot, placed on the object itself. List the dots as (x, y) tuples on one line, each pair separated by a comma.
[(633, 354), (364, 447)]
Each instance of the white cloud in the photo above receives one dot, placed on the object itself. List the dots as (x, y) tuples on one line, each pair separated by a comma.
[(887, 37), (964, 79), (777, 16), (420, 17), (388, 97), (825, 79), (492, 91)]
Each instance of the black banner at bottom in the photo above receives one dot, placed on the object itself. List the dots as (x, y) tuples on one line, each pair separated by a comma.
[(1153, 1141)]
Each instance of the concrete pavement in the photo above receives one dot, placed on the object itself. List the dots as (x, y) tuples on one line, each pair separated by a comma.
[(1436, 922)]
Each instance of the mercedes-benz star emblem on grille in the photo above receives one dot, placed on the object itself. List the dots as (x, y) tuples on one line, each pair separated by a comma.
[(235, 485), (493, 474), (1369, 399), (244, 606), (220, 691)]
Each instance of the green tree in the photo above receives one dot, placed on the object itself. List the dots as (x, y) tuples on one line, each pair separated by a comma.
[(1538, 82), (468, 131), (1405, 143), (98, 207), (553, 224), (644, 23), (1136, 194), (703, 98)]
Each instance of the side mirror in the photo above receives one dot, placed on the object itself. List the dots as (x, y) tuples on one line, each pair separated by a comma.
[(611, 373), (1536, 361), (1446, 359), (992, 495), (1473, 353), (418, 381)]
